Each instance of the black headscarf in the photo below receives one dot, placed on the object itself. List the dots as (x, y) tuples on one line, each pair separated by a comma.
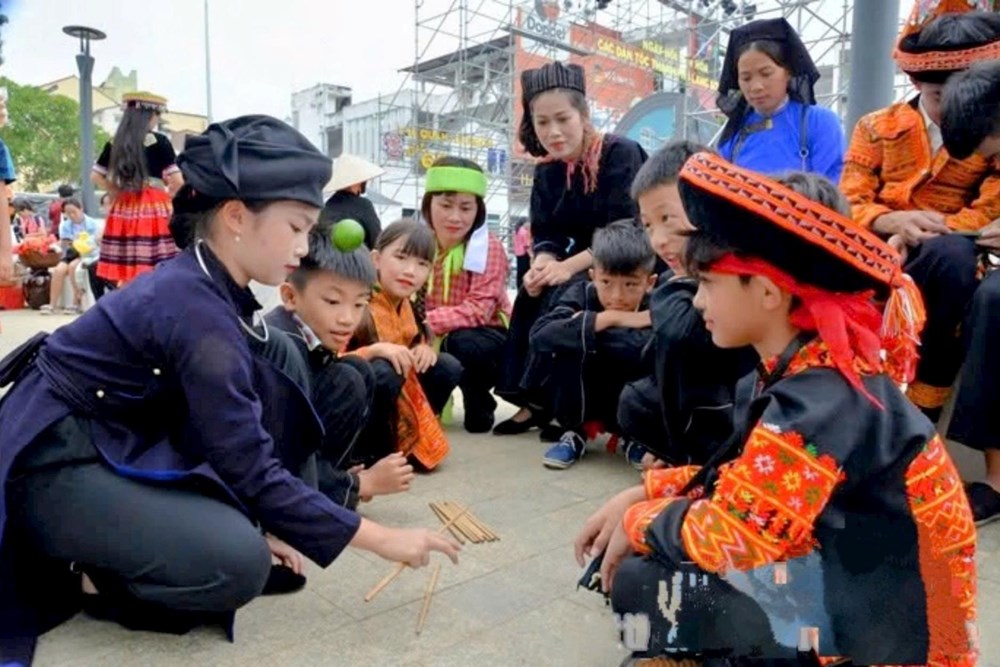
[(536, 81), (250, 158), (796, 58)]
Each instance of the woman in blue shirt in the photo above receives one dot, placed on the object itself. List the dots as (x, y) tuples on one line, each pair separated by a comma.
[(766, 90), (147, 450)]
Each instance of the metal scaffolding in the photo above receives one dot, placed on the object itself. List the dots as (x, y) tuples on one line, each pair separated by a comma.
[(460, 95)]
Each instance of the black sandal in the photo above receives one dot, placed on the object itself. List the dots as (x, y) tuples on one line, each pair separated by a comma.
[(985, 502), (283, 580), (512, 427)]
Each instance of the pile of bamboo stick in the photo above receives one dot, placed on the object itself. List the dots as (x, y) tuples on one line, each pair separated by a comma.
[(464, 525)]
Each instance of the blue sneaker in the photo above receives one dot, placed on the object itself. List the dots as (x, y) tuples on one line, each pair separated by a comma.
[(634, 453), (566, 452)]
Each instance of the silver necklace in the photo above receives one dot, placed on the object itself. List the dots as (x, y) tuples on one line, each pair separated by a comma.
[(246, 327)]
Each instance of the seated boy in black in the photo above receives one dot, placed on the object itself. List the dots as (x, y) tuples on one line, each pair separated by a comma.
[(586, 348), (323, 302), (683, 409)]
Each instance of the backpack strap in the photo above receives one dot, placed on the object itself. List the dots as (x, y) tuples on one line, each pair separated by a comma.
[(804, 139)]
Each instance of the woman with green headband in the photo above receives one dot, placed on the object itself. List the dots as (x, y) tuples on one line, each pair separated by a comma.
[(466, 295)]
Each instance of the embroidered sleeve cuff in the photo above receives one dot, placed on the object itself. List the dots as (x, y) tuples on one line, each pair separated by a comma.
[(103, 171), (865, 215), (637, 520), (966, 220), (668, 482), (172, 169)]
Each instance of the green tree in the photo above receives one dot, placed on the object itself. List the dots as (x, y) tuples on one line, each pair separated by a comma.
[(43, 136)]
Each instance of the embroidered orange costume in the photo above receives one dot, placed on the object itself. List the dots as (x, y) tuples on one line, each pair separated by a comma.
[(837, 477), (895, 162), (418, 432)]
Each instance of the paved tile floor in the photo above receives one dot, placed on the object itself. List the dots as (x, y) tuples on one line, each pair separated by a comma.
[(512, 602)]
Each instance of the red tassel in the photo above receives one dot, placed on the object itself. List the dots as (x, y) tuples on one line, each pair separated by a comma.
[(902, 323)]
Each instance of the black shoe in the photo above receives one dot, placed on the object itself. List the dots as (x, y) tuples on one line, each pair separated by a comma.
[(283, 580), (512, 427), (478, 422), (985, 502), (550, 432)]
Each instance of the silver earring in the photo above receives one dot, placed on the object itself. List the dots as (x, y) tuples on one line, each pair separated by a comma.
[(237, 238)]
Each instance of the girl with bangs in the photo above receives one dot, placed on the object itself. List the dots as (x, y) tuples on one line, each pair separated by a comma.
[(413, 381)]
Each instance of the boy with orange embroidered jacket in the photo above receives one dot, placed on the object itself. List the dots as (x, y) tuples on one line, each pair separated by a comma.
[(902, 182), (839, 517)]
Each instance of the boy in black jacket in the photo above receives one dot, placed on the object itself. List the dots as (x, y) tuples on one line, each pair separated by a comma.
[(587, 347), (322, 304), (683, 410)]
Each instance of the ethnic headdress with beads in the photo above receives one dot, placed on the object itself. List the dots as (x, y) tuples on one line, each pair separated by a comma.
[(832, 265), (948, 39), (144, 100)]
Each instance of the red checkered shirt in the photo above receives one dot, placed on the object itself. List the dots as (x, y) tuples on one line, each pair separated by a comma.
[(474, 299)]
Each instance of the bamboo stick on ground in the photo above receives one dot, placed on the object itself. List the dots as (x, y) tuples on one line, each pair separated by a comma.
[(398, 569), (470, 525), (486, 530), (428, 592), (464, 524), (455, 516), (444, 519), (482, 528)]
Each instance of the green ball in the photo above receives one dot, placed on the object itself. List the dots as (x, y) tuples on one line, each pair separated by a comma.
[(347, 235)]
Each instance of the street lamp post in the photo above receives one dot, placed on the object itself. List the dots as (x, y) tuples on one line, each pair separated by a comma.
[(208, 69), (85, 64)]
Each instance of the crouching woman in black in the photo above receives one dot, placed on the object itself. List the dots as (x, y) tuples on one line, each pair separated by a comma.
[(138, 449)]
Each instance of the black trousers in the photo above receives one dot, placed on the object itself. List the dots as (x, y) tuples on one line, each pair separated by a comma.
[(150, 547), (164, 557), (98, 286), (523, 264), (944, 268), (640, 417), (686, 607), (516, 348), (976, 419), (578, 391), (438, 382), (478, 351)]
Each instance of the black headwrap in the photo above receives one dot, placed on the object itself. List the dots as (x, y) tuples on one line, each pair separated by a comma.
[(535, 81), (250, 158), (970, 108), (255, 157), (804, 74)]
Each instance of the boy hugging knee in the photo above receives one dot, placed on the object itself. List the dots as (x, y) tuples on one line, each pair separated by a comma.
[(681, 412), (587, 347), (323, 302)]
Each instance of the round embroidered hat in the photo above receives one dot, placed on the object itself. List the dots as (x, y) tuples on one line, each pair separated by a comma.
[(141, 99), (833, 265), (949, 43), (768, 220)]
